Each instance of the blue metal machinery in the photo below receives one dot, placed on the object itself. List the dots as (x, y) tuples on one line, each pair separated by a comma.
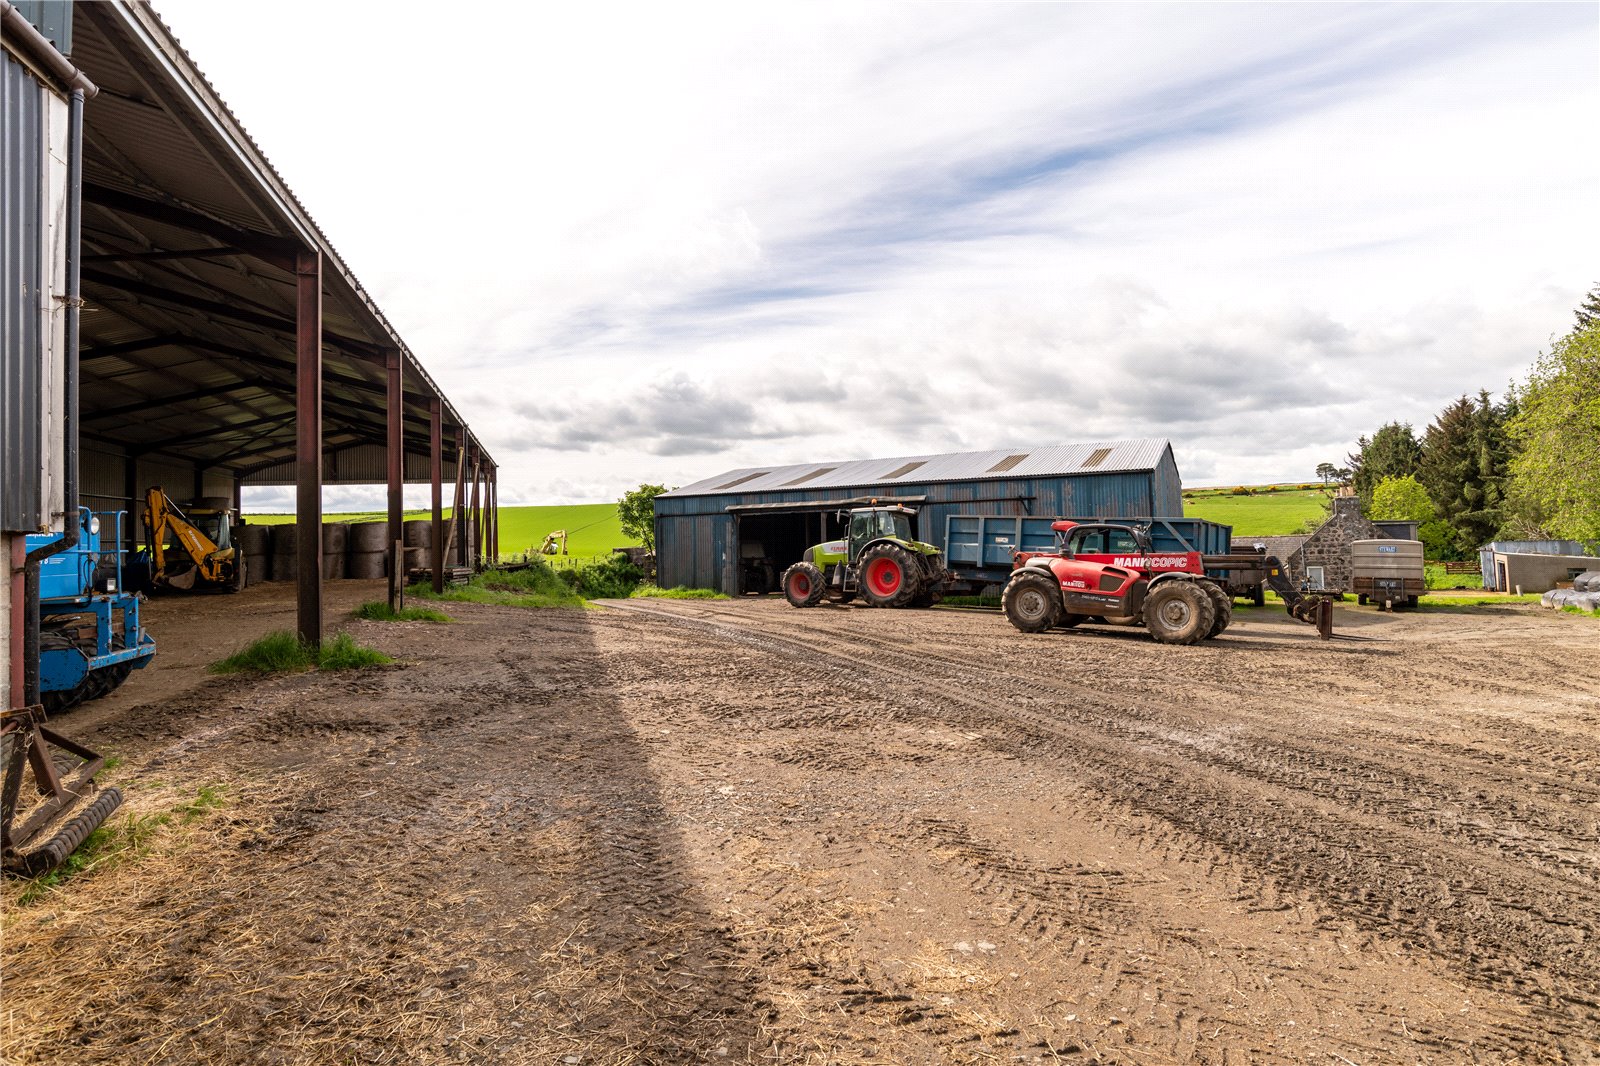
[(90, 635)]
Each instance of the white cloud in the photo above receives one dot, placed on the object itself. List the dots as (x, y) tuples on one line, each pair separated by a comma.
[(690, 238)]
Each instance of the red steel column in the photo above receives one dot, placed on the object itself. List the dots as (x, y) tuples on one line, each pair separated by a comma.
[(308, 445), (397, 473), (458, 510), (494, 515), (436, 473), (476, 545)]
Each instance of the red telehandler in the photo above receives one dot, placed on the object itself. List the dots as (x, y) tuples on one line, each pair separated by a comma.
[(1106, 572)]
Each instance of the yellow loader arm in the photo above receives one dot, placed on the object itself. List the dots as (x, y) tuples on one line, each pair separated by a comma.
[(162, 515)]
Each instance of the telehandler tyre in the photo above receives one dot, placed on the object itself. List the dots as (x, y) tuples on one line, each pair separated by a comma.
[(1179, 612), (1032, 600), (803, 585), (1222, 604), (889, 576)]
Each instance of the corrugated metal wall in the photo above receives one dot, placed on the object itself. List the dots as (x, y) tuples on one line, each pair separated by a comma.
[(22, 147), (695, 539), (363, 465)]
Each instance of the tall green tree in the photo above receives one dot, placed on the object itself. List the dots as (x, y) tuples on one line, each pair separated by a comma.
[(1556, 430), (636, 512), (1393, 451), (1465, 455), (1588, 312)]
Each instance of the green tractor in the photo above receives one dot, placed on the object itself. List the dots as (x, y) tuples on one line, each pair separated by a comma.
[(878, 559)]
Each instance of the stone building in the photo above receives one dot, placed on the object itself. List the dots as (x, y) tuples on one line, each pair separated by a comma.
[(1323, 561)]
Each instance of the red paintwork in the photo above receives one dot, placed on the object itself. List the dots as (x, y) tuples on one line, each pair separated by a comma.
[(1080, 575), (884, 576), (800, 585)]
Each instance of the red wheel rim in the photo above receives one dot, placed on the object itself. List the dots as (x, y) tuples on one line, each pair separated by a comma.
[(800, 585), (884, 576)]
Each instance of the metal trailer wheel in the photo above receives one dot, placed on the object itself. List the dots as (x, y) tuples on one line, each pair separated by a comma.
[(889, 576), (1179, 612), (1032, 601), (803, 585)]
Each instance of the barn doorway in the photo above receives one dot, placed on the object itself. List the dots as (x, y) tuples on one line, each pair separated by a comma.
[(770, 543)]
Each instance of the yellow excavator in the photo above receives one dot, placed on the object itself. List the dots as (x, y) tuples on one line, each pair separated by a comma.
[(554, 543), (185, 550)]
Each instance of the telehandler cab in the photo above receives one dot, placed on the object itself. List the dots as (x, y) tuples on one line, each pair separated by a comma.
[(1106, 572), (877, 559)]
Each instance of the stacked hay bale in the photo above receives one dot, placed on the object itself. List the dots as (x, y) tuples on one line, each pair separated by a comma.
[(284, 540), (335, 541), (419, 542), (255, 543), (369, 543)]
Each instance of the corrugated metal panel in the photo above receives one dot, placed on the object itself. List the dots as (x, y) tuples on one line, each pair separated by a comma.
[(52, 18), (22, 132), (1051, 461)]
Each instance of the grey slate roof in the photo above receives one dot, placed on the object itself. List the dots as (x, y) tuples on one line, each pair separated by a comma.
[(1099, 457)]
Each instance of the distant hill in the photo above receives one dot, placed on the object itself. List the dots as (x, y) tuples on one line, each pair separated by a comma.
[(1268, 511)]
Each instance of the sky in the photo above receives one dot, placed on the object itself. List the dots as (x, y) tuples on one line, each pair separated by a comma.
[(649, 243)]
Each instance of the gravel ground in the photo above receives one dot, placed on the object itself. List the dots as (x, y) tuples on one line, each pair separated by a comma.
[(690, 831)]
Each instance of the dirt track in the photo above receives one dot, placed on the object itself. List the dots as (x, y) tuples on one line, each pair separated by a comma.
[(732, 831)]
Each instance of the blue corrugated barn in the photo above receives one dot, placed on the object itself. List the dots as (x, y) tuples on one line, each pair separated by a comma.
[(703, 530)]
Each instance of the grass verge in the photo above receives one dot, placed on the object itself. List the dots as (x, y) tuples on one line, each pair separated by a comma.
[(536, 586), (681, 592), (121, 840), (379, 611), (283, 652), (1453, 603)]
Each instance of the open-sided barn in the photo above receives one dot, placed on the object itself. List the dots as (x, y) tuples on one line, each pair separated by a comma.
[(704, 529)]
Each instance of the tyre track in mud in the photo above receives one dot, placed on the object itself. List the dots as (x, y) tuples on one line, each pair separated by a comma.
[(1493, 916), (1483, 807)]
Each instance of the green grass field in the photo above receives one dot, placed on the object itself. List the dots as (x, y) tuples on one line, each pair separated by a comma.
[(592, 528), (1275, 510)]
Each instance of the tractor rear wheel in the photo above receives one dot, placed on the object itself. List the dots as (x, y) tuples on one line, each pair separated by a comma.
[(1222, 604), (803, 585), (889, 576), (1032, 601), (1179, 612)]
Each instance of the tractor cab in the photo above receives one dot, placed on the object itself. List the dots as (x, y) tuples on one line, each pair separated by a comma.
[(1077, 538), (878, 523)]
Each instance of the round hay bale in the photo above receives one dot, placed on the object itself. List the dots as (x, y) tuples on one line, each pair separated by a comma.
[(284, 567), (1588, 581), (335, 538), (368, 565), (255, 540), (284, 539), (368, 537), (333, 566), (418, 533), (257, 568)]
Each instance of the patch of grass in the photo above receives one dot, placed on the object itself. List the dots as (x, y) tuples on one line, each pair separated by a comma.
[(380, 611), (1434, 577), (121, 840), (343, 653), (1454, 603), (970, 601), (535, 586), (1568, 608), (282, 652), (681, 592)]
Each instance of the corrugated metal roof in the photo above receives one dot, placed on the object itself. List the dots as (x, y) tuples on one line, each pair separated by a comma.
[(1056, 460), (164, 371)]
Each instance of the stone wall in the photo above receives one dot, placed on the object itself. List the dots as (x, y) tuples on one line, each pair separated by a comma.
[(1329, 547)]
